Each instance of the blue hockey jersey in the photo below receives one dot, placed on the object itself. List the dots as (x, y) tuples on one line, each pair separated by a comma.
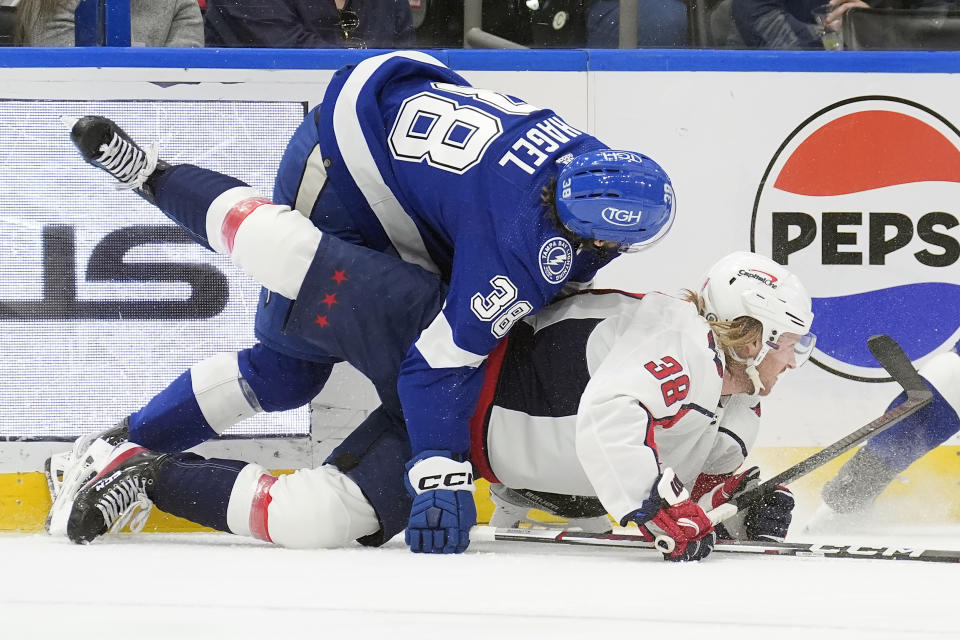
[(450, 177)]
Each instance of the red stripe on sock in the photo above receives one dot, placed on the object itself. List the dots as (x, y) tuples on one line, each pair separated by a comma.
[(235, 217), (258, 510)]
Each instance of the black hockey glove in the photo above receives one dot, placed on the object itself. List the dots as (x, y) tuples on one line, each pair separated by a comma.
[(766, 519)]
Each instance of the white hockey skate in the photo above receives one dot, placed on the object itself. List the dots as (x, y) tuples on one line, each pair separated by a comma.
[(116, 497), (67, 472)]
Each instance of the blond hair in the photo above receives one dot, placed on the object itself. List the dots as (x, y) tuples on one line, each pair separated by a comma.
[(732, 336), (30, 15)]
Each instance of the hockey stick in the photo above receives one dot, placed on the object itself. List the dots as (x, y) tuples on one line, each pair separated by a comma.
[(631, 541), (889, 354)]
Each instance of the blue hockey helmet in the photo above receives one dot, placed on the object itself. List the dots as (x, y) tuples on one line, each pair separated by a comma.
[(615, 196)]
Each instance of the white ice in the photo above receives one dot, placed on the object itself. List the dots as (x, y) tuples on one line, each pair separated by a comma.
[(210, 586)]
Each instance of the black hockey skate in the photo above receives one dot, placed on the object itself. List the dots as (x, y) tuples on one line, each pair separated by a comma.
[(858, 483), (68, 471), (514, 508), (117, 496), (104, 144)]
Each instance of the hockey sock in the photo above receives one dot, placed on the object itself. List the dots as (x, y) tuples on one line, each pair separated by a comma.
[(220, 391), (280, 382), (184, 193), (172, 420), (200, 404), (272, 243), (196, 488)]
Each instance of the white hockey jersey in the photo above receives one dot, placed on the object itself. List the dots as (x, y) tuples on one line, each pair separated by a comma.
[(600, 391)]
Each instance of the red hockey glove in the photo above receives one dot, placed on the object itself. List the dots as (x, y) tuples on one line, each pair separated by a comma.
[(670, 512), (766, 519)]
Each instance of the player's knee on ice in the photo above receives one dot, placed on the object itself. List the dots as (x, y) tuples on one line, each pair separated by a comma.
[(308, 509)]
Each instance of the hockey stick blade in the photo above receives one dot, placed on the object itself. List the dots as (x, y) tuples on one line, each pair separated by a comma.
[(631, 541), (892, 358)]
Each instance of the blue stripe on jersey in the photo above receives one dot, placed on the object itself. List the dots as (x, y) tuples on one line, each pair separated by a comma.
[(695, 407)]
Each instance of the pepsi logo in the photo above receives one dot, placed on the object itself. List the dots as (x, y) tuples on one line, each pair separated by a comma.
[(862, 201)]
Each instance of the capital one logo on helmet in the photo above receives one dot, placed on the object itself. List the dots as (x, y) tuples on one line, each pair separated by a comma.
[(862, 201), (766, 278)]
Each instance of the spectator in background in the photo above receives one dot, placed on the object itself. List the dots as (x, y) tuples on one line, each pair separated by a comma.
[(784, 24), (51, 23), (789, 24), (661, 24), (309, 23)]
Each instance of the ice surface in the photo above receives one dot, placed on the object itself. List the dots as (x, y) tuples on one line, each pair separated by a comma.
[(207, 586)]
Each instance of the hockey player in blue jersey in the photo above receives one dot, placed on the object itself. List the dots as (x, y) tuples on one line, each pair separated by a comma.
[(503, 200), (621, 399), (883, 457)]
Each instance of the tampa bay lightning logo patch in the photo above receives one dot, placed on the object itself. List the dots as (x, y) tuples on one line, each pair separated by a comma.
[(556, 259)]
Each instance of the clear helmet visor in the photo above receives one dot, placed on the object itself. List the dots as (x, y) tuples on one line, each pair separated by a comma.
[(627, 247), (791, 345)]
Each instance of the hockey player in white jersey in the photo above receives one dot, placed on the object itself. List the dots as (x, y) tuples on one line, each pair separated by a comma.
[(624, 398)]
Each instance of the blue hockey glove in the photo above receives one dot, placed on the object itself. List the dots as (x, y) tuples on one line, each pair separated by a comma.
[(443, 508)]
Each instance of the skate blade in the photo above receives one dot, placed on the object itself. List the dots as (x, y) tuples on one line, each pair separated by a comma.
[(54, 468), (69, 472)]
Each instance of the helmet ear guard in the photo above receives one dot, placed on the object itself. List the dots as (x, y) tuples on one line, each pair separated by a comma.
[(622, 197)]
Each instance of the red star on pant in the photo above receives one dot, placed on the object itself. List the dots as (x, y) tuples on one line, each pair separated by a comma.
[(322, 321), (339, 276), (329, 299)]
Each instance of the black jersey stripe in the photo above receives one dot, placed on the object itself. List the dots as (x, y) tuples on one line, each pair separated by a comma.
[(735, 438)]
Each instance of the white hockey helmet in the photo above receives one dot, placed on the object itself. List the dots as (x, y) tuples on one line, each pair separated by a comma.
[(748, 284)]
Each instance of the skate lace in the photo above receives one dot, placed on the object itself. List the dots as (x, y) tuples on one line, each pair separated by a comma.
[(127, 163), (126, 503)]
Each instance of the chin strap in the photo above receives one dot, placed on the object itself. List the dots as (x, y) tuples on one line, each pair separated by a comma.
[(751, 369), (751, 372)]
